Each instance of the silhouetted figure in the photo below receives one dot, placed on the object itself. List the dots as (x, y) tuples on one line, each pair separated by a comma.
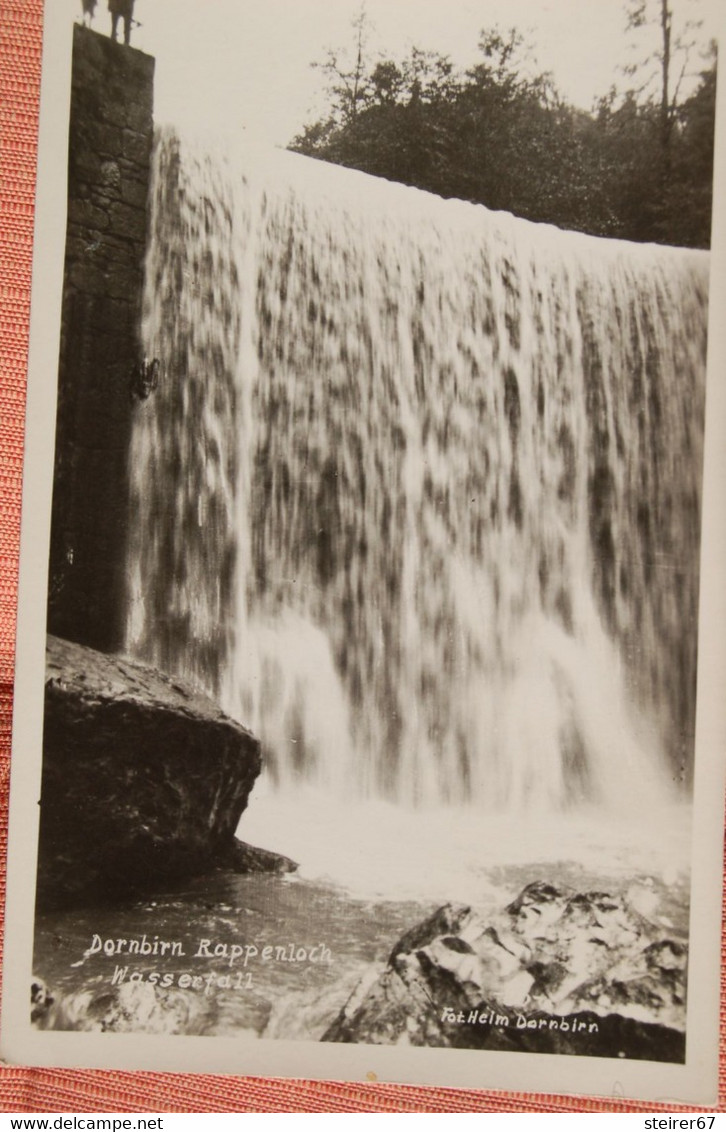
[(121, 9), (89, 10)]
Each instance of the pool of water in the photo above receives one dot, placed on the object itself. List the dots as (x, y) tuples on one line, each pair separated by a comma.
[(258, 949), (279, 956)]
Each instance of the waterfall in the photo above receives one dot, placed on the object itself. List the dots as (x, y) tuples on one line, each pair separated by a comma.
[(418, 494)]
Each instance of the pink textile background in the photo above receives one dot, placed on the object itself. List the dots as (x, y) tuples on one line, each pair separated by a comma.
[(47, 1090)]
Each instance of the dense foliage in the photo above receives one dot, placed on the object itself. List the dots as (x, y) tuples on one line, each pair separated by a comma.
[(638, 167)]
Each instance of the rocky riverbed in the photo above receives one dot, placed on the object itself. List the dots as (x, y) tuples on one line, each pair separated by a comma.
[(154, 918), (556, 970)]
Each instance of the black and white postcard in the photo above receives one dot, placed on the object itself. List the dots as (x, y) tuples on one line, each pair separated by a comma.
[(369, 712)]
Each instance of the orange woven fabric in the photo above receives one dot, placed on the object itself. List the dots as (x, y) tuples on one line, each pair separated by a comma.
[(47, 1090)]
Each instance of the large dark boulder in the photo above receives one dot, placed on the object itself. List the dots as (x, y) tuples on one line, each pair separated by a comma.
[(144, 778), (557, 971)]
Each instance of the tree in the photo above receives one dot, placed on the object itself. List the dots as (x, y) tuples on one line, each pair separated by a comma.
[(397, 130), (673, 54), (666, 184), (501, 135), (346, 70), (688, 197)]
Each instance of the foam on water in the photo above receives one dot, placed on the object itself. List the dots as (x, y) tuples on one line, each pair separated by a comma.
[(381, 849)]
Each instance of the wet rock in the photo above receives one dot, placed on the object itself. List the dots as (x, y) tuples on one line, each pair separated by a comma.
[(41, 1000), (452, 918), (144, 779), (140, 1007), (132, 1008), (557, 971), (239, 857)]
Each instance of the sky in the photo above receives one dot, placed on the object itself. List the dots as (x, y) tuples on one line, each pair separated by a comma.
[(232, 64)]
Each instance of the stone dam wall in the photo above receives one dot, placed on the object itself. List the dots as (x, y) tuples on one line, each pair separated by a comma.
[(110, 142)]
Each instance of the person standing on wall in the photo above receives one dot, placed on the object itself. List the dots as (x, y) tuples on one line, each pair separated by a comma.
[(89, 10), (121, 9)]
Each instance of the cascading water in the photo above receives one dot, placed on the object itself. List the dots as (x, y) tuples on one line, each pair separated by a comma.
[(418, 494)]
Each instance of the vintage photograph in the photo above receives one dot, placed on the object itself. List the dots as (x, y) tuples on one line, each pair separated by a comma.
[(375, 541)]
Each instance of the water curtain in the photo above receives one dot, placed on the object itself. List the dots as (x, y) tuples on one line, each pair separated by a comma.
[(418, 494)]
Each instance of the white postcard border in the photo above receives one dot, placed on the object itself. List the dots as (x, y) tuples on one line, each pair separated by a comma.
[(693, 1083)]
